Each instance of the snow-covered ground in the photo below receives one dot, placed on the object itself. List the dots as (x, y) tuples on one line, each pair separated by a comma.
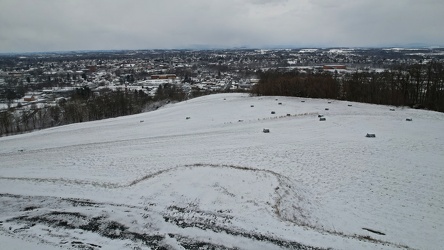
[(216, 180)]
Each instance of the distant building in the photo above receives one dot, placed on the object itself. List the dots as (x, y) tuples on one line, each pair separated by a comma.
[(164, 76), (326, 67), (92, 68), (15, 74), (29, 98)]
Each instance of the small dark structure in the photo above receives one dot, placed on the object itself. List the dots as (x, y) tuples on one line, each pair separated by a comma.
[(370, 135), (373, 231), (329, 102), (276, 99), (272, 112), (141, 120), (302, 101), (409, 119), (240, 120), (280, 103), (326, 109), (252, 106), (392, 109), (188, 118), (322, 119), (288, 114), (320, 115), (349, 105), (418, 106), (266, 130)]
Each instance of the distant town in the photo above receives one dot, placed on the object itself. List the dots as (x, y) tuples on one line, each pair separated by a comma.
[(39, 82)]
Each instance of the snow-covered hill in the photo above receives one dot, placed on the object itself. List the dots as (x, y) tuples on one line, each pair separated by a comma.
[(201, 173)]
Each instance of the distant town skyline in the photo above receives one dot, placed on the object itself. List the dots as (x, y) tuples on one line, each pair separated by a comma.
[(53, 25)]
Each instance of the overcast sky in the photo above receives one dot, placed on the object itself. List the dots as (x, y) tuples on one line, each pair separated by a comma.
[(60, 25)]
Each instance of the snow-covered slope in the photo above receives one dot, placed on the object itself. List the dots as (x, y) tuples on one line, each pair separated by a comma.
[(215, 179)]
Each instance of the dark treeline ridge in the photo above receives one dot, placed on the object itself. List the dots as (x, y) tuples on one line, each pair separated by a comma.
[(418, 86), (275, 83), (83, 106)]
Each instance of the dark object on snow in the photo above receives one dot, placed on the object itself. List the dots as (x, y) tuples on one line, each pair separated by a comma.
[(373, 231), (302, 101), (409, 119), (240, 120), (418, 106), (349, 105), (276, 99), (188, 118), (288, 114), (392, 109), (370, 135), (252, 106), (322, 119), (266, 130), (272, 112), (329, 102), (280, 103), (320, 115), (141, 120), (225, 99), (326, 108)]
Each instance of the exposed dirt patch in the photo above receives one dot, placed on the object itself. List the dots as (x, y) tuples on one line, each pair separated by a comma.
[(56, 215)]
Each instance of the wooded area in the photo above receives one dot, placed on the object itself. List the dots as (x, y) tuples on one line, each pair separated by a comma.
[(418, 86), (85, 106)]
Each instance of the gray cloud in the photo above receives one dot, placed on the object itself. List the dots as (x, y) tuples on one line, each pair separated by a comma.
[(29, 25)]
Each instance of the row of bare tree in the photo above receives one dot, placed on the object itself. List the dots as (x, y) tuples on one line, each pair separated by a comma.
[(295, 84), (83, 106), (420, 85)]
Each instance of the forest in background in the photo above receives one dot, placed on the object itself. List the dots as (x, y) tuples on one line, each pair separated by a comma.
[(84, 105), (416, 86)]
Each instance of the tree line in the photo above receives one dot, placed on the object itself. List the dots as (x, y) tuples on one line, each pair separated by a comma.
[(84, 105), (294, 83), (418, 86)]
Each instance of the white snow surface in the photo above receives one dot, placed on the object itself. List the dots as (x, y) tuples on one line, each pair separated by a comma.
[(217, 180)]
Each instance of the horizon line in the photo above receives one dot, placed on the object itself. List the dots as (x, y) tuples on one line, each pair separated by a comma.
[(209, 47)]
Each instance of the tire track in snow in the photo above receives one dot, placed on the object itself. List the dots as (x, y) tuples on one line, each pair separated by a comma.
[(290, 204), (284, 191), (138, 225), (122, 142)]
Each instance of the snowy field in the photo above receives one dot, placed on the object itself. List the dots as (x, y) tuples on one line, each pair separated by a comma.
[(158, 180)]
